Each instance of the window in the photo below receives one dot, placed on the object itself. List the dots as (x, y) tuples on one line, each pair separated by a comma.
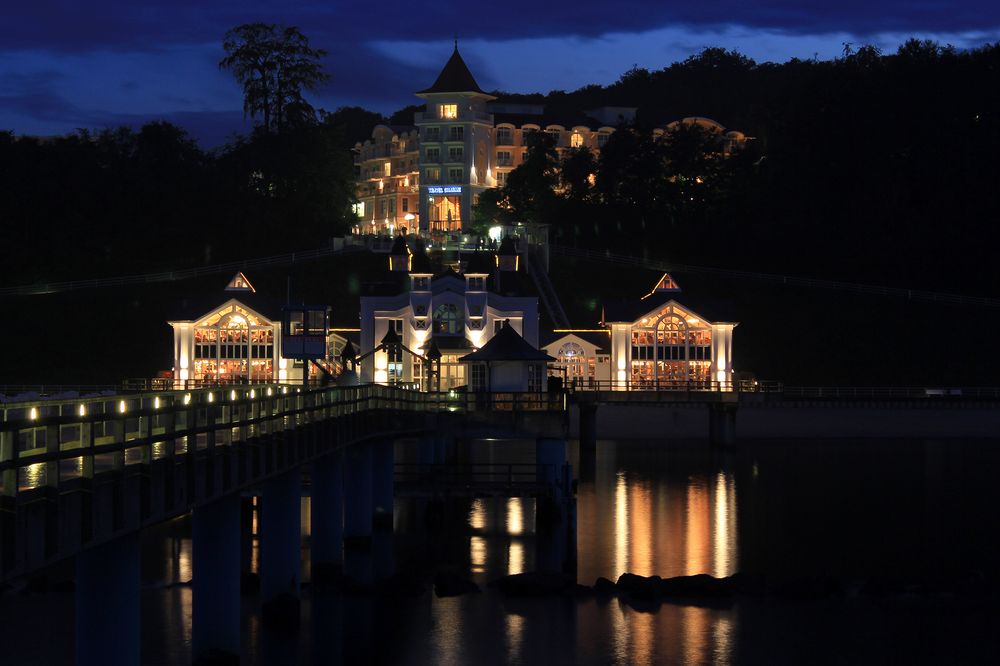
[(406, 204), (433, 154), (455, 154), (418, 372), (504, 158), (497, 325), (536, 373), (504, 137), (477, 377), (432, 133), (387, 169), (420, 284), (501, 178), (448, 111), (526, 136), (433, 175), (602, 139), (455, 175), (447, 320), (576, 140), (475, 284), (392, 206), (456, 133)]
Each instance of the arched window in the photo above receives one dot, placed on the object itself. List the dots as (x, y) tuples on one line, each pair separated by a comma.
[(578, 366), (447, 320)]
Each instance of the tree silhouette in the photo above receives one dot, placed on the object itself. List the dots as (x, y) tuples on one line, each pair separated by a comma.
[(274, 64)]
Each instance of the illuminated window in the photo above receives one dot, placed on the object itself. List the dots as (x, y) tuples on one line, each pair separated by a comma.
[(575, 140), (447, 320), (449, 111), (388, 169), (433, 175), (359, 208), (504, 137), (455, 154)]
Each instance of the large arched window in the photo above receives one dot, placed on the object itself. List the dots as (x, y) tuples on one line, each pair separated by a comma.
[(574, 358), (448, 320), (233, 344), (671, 350)]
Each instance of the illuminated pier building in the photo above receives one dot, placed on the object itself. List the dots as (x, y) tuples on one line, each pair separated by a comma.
[(457, 312), (650, 342)]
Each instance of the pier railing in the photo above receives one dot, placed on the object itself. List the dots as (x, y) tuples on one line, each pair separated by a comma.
[(45, 442)]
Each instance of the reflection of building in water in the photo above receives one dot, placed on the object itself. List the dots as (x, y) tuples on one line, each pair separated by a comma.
[(668, 530)]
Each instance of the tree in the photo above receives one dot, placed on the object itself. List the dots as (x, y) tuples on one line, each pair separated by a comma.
[(274, 64)]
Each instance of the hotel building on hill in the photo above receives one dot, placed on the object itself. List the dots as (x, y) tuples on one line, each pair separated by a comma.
[(426, 177)]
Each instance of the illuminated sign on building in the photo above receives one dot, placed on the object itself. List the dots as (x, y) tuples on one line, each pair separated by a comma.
[(444, 189)]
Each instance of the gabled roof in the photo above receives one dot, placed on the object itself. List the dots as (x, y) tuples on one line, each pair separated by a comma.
[(506, 345), (455, 77), (600, 338), (194, 310), (239, 282), (632, 311)]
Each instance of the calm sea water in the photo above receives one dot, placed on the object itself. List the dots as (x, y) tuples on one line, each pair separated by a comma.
[(848, 509)]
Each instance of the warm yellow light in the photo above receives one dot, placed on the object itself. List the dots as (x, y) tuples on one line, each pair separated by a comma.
[(187, 398), (121, 406), (269, 391), (692, 321), (284, 390), (156, 402), (33, 414), (232, 395), (211, 397), (253, 394), (83, 410), (381, 377)]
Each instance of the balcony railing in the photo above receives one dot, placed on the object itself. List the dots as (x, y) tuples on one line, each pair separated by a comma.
[(427, 117)]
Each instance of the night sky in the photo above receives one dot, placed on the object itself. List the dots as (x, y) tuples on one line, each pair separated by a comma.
[(66, 64)]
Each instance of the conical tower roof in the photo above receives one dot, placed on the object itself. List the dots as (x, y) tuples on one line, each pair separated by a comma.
[(454, 78)]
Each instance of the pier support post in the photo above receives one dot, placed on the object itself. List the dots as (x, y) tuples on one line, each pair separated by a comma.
[(383, 467), (722, 424), (553, 523), (107, 603), (281, 548), (215, 612), (327, 539), (588, 439), (551, 453), (357, 494)]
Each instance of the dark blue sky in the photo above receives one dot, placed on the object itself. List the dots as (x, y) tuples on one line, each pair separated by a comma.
[(66, 64)]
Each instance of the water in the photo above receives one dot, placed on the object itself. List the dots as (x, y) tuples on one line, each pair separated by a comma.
[(852, 510)]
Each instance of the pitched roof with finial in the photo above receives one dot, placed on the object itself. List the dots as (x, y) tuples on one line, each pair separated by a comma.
[(454, 78), (506, 345)]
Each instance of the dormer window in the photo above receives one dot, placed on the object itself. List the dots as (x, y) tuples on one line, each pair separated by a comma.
[(448, 111), (421, 283), (475, 283)]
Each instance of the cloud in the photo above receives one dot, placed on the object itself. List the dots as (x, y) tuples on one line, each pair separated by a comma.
[(68, 25)]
